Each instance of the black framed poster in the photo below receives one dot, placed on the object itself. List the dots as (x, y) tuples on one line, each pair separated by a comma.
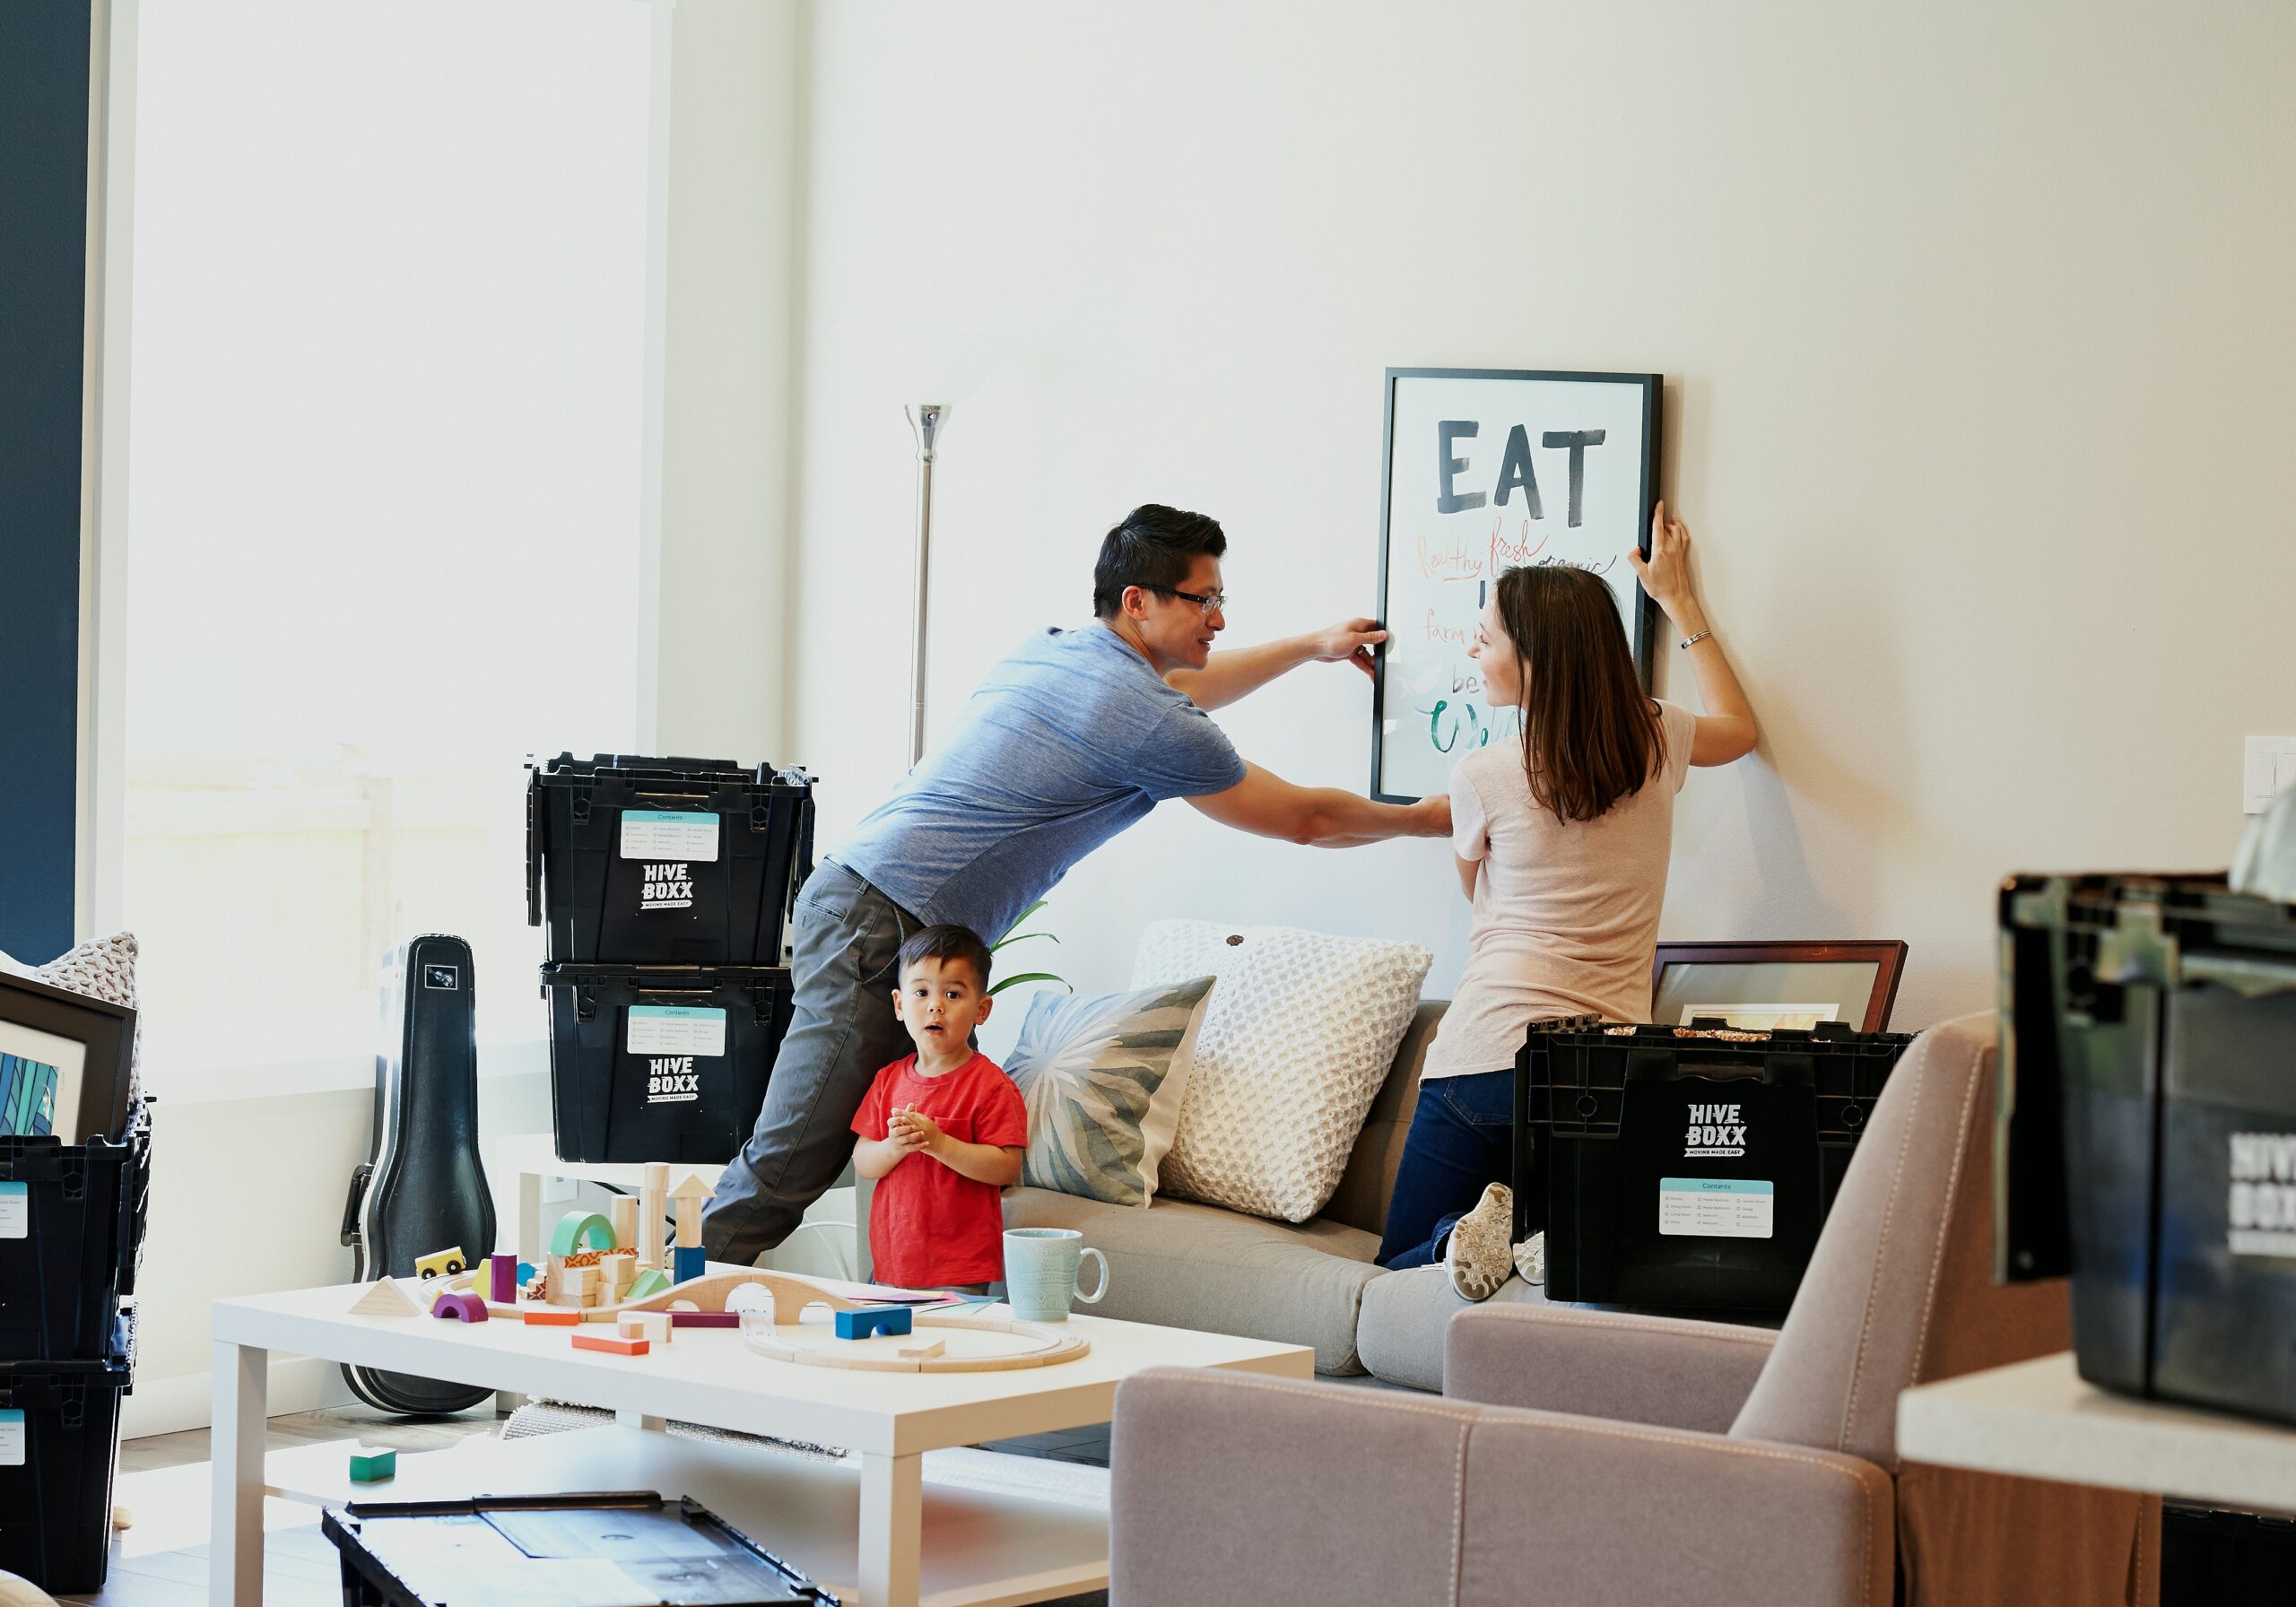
[(1488, 469)]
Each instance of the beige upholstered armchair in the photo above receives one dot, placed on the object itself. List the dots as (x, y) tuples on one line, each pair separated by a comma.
[(1584, 1457)]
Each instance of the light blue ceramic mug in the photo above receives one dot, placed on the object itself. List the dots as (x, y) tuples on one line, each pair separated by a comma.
[(1041, 1268)]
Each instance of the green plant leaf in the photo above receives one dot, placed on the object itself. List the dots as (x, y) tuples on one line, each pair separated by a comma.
[(1021, 919), (1028, 976), (1018, 937)]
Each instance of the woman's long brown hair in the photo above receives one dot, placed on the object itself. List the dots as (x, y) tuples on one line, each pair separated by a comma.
[(1590, 734)]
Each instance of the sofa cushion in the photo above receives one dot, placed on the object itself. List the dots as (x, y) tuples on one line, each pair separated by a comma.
[(1104, 1076), (1188, 1265), (1406, 1315), (1299, 1038)]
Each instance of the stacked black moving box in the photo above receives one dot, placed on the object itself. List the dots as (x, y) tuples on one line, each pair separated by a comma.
[(666, 884), (1688, 1168), (71, 1225)]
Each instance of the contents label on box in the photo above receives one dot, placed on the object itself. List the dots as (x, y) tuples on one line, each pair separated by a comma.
[(15, 1210), (12, 1439), (1715, 1207), (668, 834), (676, 1029)]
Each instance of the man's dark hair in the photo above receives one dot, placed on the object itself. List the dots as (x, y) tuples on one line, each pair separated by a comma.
[(1155, 547), (946, 944)]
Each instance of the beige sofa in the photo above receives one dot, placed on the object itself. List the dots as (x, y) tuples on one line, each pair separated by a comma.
[(1188, 1265)]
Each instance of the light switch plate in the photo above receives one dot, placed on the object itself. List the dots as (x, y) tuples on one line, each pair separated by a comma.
[(2267, 764)]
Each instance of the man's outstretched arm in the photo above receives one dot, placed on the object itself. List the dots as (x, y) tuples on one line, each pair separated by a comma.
[(1324, 817), (1235, 671)]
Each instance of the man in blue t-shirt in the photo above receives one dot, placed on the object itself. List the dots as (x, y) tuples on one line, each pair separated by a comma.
[(1069, 741)]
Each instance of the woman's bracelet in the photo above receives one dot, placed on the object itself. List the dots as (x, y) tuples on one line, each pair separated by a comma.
[(1694, 640)]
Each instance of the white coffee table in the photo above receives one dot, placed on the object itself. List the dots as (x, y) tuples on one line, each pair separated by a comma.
[(707, 1375)]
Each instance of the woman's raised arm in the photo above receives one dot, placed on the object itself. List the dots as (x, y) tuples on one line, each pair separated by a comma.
[(1726, 729)]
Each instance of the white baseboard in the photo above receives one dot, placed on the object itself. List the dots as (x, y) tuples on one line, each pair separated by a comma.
[(182, 1401)]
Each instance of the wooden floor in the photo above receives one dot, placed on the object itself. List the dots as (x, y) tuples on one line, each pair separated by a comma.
[(300, 1566)]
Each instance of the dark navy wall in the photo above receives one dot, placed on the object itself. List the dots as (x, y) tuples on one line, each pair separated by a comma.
[(43, 280)]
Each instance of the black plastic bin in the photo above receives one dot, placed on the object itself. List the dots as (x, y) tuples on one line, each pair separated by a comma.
[(82, 1208), (417, 1553), (2215, 1559), (62, 1418), (687, 1083), (2149, 1117), (1688, 1168), (638, 861)]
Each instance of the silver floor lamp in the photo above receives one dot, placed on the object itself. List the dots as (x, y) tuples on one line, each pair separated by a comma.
[(926, 418)]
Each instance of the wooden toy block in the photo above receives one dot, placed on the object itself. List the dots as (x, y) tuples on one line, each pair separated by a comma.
[(385, 1298), (873, 1320), (653, 1202), (692, 1261), (503, 1283), (613, 1344), (551, 1317), (924, 1352), (652, 1281), (462, 1307), (622, 1272), (372, 1467), (690, 1197), (653, 1326), (704, 1319), (623, 1213), (585, 1258), (581, 1231), (441, 1264)]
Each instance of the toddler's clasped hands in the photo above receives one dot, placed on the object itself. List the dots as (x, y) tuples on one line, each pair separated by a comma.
[(911, 1132)]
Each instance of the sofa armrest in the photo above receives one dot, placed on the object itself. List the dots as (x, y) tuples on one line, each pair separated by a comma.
[(1232, 1489), (1633, 1369)]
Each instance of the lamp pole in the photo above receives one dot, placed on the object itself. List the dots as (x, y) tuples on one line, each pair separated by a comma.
[(925, 419)]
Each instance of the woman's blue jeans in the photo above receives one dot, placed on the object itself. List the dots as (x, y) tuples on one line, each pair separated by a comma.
[(1461, 1138)]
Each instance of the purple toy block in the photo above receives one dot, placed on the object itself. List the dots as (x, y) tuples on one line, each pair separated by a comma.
[(705, 1319), (460, 1308), (506, 1277)]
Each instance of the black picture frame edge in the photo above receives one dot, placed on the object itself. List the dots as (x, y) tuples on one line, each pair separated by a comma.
[(110, 1047), (1654, 387), (1888, 954)]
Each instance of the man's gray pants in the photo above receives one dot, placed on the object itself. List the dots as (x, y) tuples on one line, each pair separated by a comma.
[(847, 937)]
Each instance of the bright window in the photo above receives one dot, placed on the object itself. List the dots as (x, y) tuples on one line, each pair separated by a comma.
[(386, 470)]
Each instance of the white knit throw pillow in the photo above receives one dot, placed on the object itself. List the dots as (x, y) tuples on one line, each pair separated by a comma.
[(1296, 1040)]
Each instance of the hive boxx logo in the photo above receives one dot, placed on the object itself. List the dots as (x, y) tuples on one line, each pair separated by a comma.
[(671, 1080), (1715, 1130), (667, 887), (2261, 1213)]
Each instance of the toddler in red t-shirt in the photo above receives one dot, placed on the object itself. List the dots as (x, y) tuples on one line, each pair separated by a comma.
[(940, 1130)]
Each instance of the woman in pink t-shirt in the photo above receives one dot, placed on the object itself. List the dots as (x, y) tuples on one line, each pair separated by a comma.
[(1562, 839)]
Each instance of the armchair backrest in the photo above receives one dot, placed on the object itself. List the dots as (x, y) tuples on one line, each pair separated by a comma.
[(1901, 1289)]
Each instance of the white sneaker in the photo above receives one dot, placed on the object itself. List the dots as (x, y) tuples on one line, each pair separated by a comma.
[(1478, 1254), (1530, 1258)]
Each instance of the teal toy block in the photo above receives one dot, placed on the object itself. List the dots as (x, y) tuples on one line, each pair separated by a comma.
[(688, 1262), (873, 1320), (372, 1467), (526, 1273)]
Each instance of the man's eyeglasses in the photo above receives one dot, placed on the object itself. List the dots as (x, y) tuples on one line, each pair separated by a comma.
[(1212, 602)]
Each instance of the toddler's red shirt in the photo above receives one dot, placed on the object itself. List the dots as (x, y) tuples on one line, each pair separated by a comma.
[(930, 1224)]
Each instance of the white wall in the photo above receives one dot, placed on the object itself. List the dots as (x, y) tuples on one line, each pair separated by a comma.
[(731, 256), (1977, 334)]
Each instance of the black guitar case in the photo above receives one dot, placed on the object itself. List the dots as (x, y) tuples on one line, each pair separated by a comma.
[(423, 1188)]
